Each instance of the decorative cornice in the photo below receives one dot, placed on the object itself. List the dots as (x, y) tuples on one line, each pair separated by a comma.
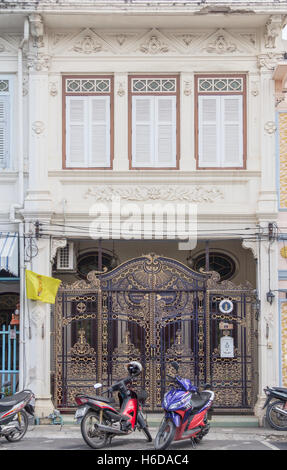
[(197, 194)]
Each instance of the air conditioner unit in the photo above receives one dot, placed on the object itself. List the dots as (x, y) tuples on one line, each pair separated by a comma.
[(66, 258)]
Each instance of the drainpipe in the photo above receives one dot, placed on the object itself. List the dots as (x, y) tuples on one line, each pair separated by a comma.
[(20, 204)]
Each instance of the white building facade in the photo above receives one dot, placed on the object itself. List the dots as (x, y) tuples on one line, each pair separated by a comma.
[(122, 109)]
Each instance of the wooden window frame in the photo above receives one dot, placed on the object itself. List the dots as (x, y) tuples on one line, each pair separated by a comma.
[(64, 95), (130, 123), (244, 116)]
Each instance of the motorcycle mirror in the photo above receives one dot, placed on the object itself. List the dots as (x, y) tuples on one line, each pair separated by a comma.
[(175, 365), (98, 385)]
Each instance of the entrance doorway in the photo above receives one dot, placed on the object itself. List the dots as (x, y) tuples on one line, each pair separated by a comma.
[(154, 310)]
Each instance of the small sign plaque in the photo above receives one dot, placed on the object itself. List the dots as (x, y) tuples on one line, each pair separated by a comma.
[(225, 326), (226, 306), (226, 346)]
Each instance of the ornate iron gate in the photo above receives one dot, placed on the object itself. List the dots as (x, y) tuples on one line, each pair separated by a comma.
[(154, 310)]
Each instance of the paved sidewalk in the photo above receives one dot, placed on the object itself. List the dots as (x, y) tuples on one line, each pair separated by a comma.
[(222, 428)]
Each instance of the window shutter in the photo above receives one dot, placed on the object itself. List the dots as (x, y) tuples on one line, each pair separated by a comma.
[(99, 131), (76, 131), (209, 131), (142, 131), (165, 131), (232, 131), (4, 131)]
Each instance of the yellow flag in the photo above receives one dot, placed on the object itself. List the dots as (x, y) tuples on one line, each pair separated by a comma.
[(43, 288)]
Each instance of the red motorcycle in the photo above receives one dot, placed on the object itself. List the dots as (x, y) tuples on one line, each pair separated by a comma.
[(100, 421)]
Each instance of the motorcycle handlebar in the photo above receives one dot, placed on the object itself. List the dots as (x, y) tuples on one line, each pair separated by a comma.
[(119, 384)]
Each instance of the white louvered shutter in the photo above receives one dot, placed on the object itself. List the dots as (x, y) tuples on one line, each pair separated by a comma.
[(209, 131), (143, 131), (76, 131), (99, 149), (232, 131), (165, 131), (4, 131)]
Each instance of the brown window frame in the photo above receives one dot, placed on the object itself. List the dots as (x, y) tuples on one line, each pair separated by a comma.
[(131, 94), (244, 114), (64, 95)]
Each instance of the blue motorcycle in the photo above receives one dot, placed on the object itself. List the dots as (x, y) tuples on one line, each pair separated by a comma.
[(187, 411)]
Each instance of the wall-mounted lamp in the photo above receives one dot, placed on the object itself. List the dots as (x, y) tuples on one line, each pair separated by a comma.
[(256, 308), (269, 297)]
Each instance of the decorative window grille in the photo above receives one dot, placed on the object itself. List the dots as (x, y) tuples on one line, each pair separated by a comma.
[(4, 86), (220, 85), (88, 85), (154, 85), (65, 258)]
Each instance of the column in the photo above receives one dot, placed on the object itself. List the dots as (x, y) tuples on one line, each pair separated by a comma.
[(38, 207)]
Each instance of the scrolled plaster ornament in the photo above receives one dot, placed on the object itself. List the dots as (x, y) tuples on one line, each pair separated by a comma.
[(251, 245), (53, 89), (154, 46), (270, 127), (121, 90), (57, 243), (38, 127), (187, 88)]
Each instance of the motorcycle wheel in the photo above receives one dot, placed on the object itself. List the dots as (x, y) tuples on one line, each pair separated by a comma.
[(165, 435), (274, 418), (94, 438), (147, 434), (22, 421)]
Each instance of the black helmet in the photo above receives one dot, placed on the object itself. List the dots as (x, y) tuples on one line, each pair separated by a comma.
[(134, 368)]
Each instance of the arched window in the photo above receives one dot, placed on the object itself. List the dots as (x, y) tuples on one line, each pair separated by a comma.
[(219, 262)]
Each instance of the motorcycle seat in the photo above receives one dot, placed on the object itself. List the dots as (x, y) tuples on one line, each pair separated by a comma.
[(104, 399), (280, 389), (12, 400), (198, 401)]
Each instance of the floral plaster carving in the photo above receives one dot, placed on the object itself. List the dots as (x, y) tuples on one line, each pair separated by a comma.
[(154, 46), (53, 89), (269, 61), (121, 89), (270, 127), (39, 62), (198, 194), (220, 46), (87, 45), (38, 127), (187, 88)]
